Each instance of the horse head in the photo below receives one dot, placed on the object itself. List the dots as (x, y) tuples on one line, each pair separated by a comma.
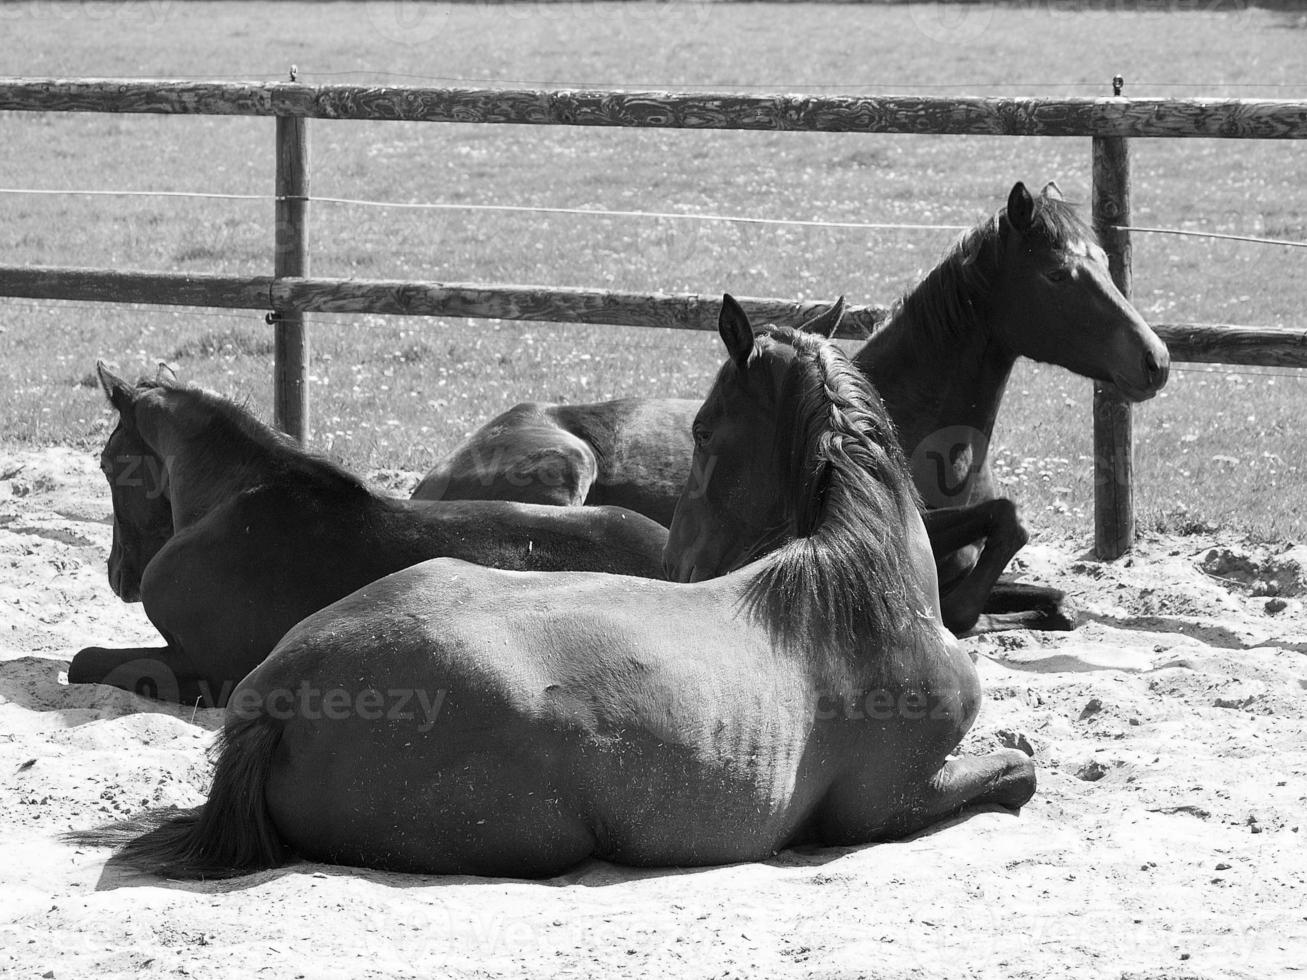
[(138, 487), (1053, 298), (798, 474), (729, 505), (774, 427)]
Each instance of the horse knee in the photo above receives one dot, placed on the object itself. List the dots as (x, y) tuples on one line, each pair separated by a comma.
[(953, 568), (1006, 520)]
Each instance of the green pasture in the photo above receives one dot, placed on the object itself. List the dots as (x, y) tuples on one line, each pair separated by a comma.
[(1220, 445)]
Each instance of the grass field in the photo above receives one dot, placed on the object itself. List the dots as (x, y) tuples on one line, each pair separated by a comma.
[(1221, 446)]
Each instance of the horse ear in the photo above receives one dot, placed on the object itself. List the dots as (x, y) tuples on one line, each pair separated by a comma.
[(1052, 191), (1020, 208), (121, 395), (166, 373), (736, 333), (826, 323)]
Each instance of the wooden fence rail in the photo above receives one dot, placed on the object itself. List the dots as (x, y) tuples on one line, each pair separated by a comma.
[(290, 293), (902, 114), (1212, 343)]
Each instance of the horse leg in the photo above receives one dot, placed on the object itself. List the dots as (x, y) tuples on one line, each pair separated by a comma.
[(953, 528), (976, 590), (894, 806), (153, 672), (1005, 778), (519, 456), (1019, 598)]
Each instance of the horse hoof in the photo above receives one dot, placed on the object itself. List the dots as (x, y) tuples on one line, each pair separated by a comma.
[(1017, 784), (82, 670), (1060, 616)]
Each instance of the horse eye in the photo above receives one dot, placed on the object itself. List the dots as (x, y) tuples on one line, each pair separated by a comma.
[(700, 435), (1060, 274)]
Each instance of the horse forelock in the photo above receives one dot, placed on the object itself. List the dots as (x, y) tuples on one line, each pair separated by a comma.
[(843, 580), (1057, 224)]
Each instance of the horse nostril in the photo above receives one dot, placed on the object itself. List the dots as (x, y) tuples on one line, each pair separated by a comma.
[(1153, 368)]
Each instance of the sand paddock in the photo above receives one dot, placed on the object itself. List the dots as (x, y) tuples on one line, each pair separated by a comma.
[(1166, 838)]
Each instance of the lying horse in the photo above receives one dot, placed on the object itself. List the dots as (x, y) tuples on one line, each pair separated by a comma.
[(230, 534), (1030, 281), (812, 696)]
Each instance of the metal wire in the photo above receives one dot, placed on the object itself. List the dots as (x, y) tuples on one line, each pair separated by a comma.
[(1212, 234), (611, 213)]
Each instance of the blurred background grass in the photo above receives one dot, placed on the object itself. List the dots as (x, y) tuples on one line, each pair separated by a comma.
[(1221, 446)]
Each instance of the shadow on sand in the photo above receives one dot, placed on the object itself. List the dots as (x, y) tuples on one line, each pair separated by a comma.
[(589, 874)]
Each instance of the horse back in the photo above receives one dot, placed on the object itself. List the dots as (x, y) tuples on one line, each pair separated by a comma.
[(629, 452), (225, 590), (522, 454), (643, 448), (530, 537)]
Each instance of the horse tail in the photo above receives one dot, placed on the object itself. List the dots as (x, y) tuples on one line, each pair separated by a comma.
[(231, 834)]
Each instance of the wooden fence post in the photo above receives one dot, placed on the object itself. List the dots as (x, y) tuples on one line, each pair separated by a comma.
[(1114, 511), (290, 366)]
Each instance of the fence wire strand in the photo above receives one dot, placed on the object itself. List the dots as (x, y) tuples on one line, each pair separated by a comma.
[(611, 213), (1212, 234)]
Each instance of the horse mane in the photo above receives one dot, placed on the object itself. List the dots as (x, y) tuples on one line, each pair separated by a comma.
[(233, 434), (952, 301), (843, 579)]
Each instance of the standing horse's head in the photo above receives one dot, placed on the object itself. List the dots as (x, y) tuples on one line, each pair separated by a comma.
[(138, 486), (1053, 299)]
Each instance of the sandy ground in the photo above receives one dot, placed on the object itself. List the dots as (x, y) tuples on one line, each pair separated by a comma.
[(1166, 839)]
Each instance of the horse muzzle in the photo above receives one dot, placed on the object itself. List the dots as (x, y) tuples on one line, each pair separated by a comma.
[(1152, 377), (126, 586)]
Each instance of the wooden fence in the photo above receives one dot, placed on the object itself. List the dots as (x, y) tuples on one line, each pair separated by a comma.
[(290, 292)]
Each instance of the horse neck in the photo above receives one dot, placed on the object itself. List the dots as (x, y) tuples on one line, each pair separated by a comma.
[(854, 661), (937, 366), (204, 472)]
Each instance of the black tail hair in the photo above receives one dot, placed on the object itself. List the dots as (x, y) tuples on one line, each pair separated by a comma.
[(232, 834)]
